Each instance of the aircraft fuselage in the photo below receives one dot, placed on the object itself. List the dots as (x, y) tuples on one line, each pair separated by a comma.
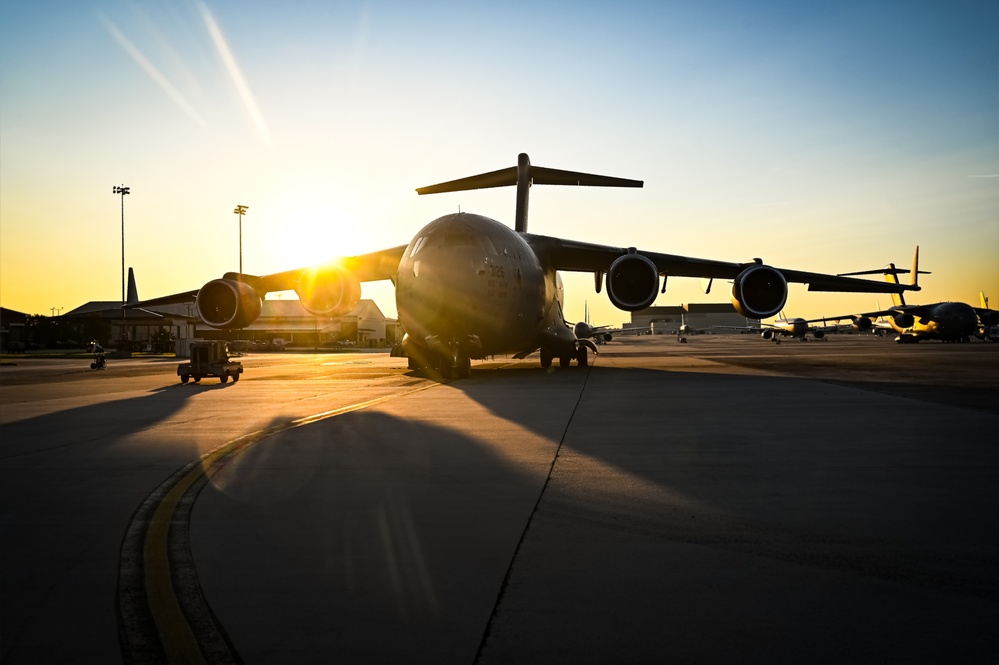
[(946, 321), (470, 286)]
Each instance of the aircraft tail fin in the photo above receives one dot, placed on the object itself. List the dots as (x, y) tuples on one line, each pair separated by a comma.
[(133, 293), (985, 300), (523, 176), (891, 276)]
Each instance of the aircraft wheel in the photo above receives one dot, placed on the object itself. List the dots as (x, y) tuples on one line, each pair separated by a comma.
[(184, 378), (464, 367), (224, 377), (196, 378), (546, 359), (235, 378), (564, 361), (93, 365), (582, 357)]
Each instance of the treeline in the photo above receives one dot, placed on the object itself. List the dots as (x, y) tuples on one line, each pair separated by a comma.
[(57, 332)]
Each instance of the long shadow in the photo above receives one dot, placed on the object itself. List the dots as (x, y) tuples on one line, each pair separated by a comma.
[(69, 487), (363, 538)]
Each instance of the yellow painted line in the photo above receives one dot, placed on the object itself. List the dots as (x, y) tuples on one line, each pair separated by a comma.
[(175, 632)]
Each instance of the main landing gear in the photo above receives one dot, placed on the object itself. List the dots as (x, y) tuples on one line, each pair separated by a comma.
[(581, 356)]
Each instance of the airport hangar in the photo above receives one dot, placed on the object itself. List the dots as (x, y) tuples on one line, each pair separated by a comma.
[(140, 328), (699, 316)]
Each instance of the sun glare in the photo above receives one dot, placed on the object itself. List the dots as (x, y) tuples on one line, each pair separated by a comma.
[(316, 236)]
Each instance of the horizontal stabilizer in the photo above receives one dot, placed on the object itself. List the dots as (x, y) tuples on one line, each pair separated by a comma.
[(523, 176), (539, 175)]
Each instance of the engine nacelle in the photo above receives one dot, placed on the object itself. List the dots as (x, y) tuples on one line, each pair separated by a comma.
[(607, 337), (328, 290), (819, 334), (862, 323), (989, 318), (767, 334), (632, 282), (759, 292), (903, 319), (227, 303)]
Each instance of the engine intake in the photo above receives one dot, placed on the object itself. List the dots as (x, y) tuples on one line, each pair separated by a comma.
[(632, 282), (903, 319), (759, 292), (862, 323), (328, 290), (227, 303)]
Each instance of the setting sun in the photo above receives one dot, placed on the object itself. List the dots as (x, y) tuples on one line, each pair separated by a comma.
[(313, 236)]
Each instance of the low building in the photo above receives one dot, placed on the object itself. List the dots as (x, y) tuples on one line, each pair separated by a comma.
[(13, 330), (289, 321), (700, 316)]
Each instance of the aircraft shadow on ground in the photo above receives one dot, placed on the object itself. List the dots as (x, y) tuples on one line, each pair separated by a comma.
[(392, 522)]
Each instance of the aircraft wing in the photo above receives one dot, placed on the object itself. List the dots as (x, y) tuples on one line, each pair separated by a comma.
[(915, 310), (578, 256), (372, 267)]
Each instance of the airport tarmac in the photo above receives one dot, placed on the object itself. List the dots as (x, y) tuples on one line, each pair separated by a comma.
[(722, 500)]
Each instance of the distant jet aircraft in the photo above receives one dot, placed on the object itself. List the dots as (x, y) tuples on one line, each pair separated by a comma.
[(601, 334), (797, 328), (988, 319), (468, 286), (946, 321)]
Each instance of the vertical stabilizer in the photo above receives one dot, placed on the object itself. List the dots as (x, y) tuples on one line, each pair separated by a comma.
[(891, 276), (914, 277), (985, 301), (133, 293)]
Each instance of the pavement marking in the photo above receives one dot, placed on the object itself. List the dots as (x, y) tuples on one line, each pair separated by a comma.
[(162, 613)]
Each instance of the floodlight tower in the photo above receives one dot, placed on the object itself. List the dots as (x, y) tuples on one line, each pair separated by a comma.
[(240, 210), (123, 190)]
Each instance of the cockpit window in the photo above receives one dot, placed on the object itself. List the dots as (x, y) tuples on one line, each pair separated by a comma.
[(418, 245), (459, 238)]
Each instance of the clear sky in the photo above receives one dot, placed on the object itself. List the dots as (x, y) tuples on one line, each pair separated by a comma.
[(829, 136)]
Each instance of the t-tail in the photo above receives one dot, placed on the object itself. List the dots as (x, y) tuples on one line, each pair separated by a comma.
[(523, 176), (891, 276)]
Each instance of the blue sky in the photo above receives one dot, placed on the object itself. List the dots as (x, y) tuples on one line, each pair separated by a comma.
[(831, 137)]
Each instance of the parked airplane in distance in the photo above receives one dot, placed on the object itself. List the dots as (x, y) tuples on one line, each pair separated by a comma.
[(945, 321), (468, 286), (797, 328), (601, 334)]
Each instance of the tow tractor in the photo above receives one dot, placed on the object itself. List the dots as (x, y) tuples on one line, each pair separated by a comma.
[(210, 358)]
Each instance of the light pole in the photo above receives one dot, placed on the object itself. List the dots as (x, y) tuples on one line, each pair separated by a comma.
[(123, 190), (240, 210)]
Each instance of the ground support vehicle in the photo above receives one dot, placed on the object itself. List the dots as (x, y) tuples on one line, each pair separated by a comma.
[(210, 358)]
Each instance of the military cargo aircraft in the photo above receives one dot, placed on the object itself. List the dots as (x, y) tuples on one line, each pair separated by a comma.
[(944, 321), (469, 287), (796, 328)]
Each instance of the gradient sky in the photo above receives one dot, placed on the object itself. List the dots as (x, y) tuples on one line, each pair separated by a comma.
[(828, 136)]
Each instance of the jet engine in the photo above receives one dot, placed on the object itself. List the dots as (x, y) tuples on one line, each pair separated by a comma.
[(767, 334), (989, 318), (606, 337), (819, 334), (862, 323), (227, 303), (328, 290), (632, 282), (759, 292), (903, 319)]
